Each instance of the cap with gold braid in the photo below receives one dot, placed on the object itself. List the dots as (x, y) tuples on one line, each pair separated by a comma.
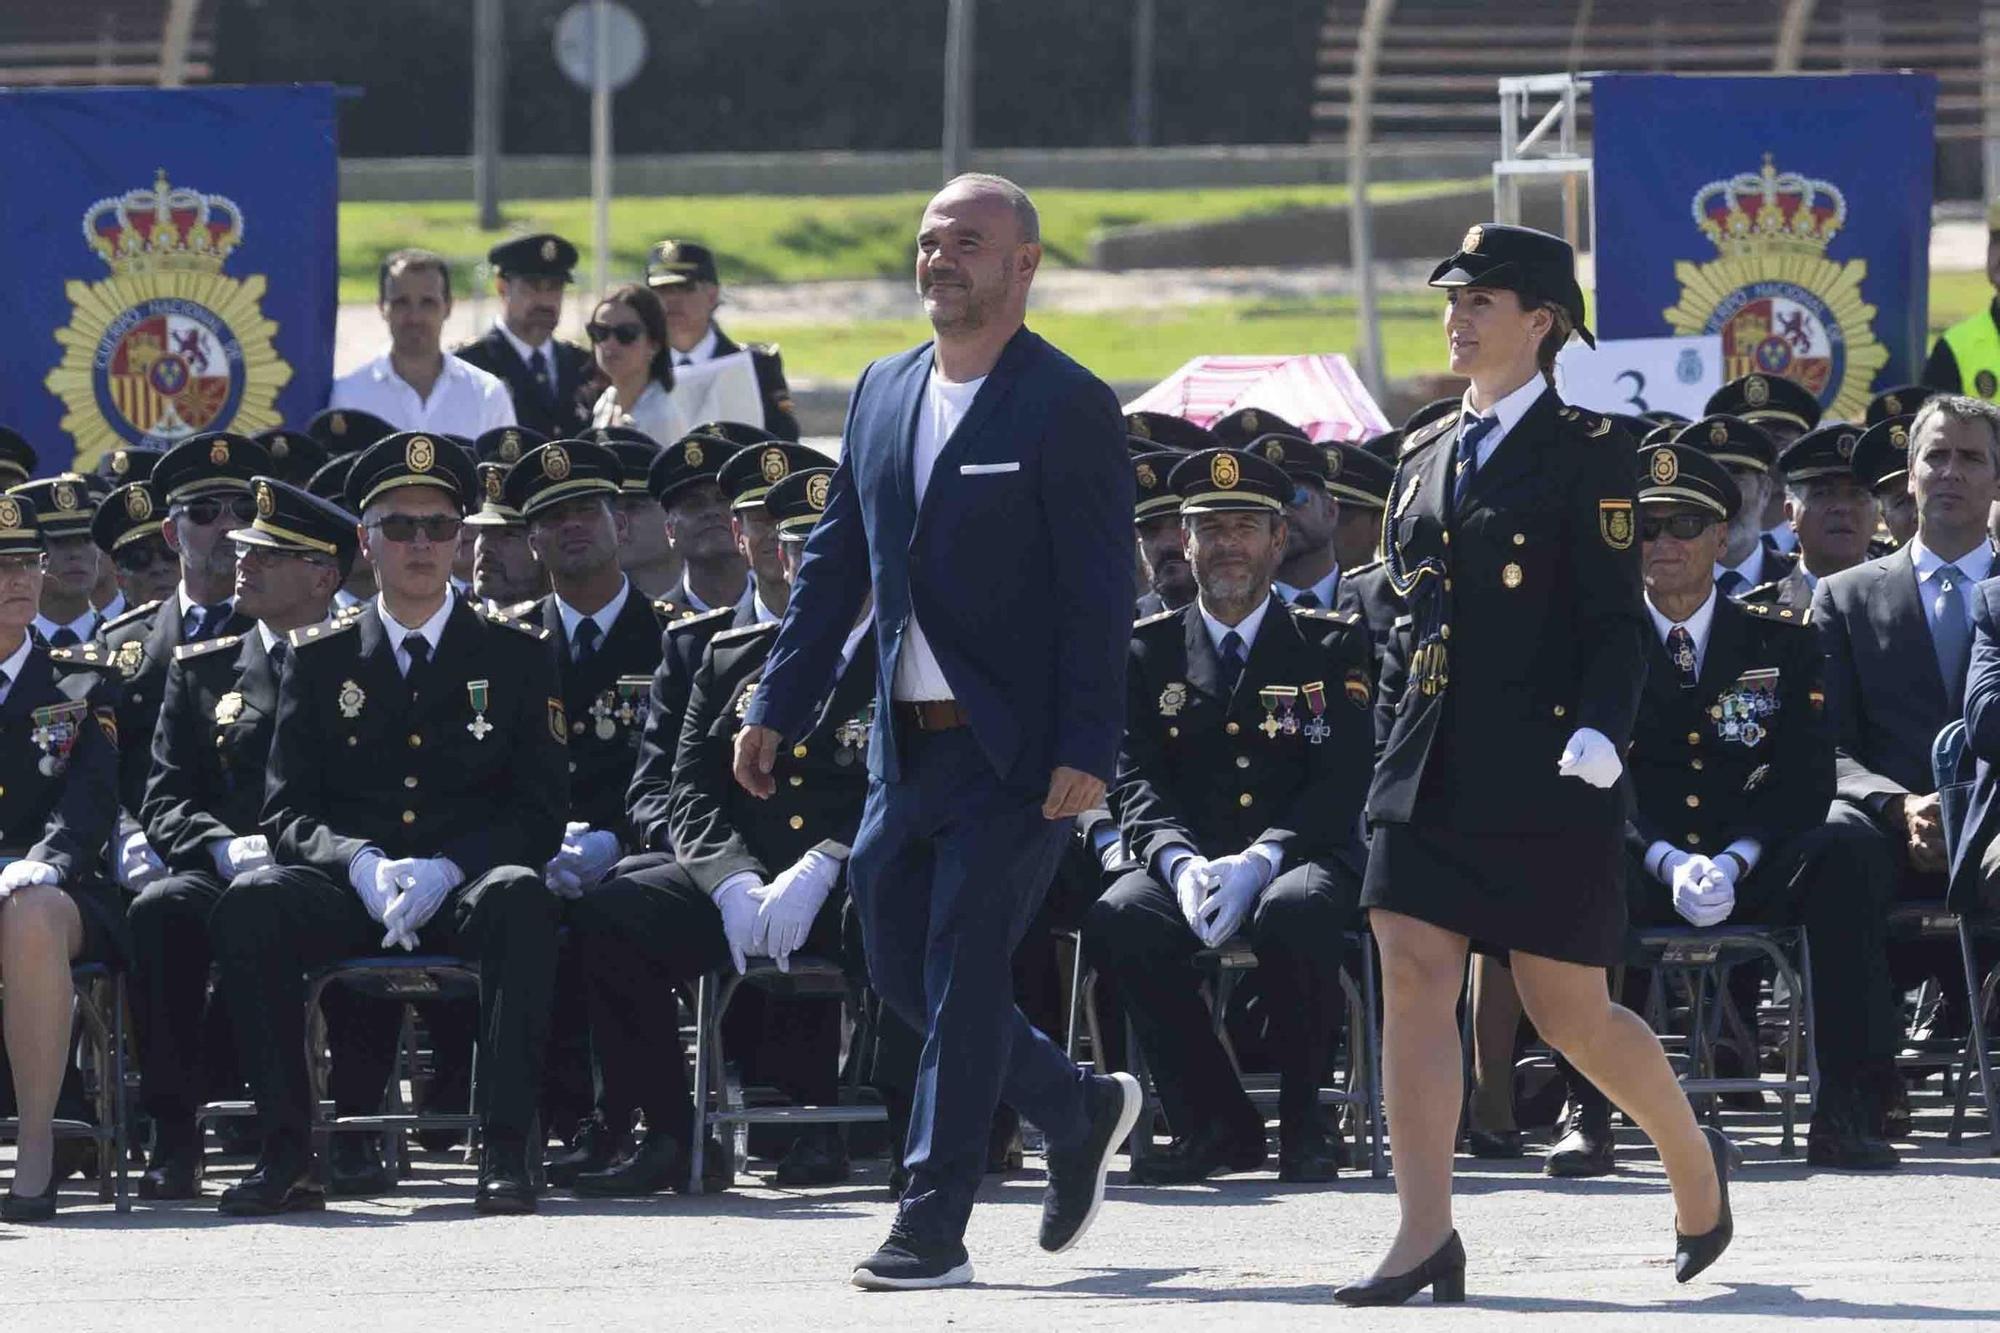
[(20, 532), (1149, 484), (128, 514), (1219, 481), (1825, 451), (63, 503), (494, 511), (295, 455), (749, 473), (694, 458), (1246, 424), (797, 500), (506, 444), (1882, 454), (557, 471), (217, 463), (635, 449), (1156, 432), (411, 458), (347, 430), (17, 457), (297, 522), (1731, 441), (1685, 474)]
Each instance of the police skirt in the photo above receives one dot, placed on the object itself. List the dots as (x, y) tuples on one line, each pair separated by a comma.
[(1552, 894), (107, 937)]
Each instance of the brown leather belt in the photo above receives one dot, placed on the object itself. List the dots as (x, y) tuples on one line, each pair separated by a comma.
[(933, 714)]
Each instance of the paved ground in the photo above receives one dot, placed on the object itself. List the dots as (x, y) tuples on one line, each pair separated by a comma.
[(1851, 1251)]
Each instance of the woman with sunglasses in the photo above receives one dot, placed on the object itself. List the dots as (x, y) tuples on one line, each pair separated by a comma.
[(629, 332), (58, 799), (1506, 700)]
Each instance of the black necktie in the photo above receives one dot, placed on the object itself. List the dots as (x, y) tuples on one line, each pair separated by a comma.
[(1731, 583), (539, 363), (1680, 647), (65, 637), (204, 621), (584, 644), (683, 359), (277, 655), (419, 649), (1469, 435), (1233, 658), (1307, 600)]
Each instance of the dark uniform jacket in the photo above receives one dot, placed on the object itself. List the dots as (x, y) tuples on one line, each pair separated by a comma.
[(477, 770), (1536, 618), (1366, 595), (141, 645), (1884, 695), (681, 649), (564, 417), (1778, 566), (606, 699), (1284, 758), (779, 418), (1791, 593), (1746, 753), (210, 749), (59, 764), (821, 776)]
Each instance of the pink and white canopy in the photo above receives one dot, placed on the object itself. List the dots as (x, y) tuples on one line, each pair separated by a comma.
[(1319, 394)]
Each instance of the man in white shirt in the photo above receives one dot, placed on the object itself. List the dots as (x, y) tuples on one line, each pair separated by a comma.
[(414, 385)]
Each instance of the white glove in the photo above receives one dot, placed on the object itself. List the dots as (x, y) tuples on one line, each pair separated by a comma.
[(587, 855), (1591, 756), (1704, 894), (234, 856), (1238, 880), (138, 866), (1194, 880), (423, 882), (375, 890), (21, 874), (790, 904), (738, 903)]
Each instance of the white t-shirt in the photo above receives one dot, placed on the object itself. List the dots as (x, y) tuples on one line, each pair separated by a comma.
[(918, 675), (465, 400)]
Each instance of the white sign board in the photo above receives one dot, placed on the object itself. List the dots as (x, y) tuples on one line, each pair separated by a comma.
[(577, 45), (1634, 375)]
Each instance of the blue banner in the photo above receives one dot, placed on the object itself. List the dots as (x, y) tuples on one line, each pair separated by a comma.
[(171, 264), (1788, 214)]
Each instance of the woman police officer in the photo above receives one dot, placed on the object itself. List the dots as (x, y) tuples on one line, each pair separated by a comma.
[(1506, 698)]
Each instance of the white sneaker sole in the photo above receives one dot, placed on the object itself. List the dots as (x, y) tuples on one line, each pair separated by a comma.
[(1128, 1114), (954, 1277)]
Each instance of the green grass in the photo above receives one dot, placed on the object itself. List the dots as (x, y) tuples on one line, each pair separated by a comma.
[(763, 238)]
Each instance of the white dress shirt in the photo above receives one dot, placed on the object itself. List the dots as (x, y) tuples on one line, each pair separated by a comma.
[(1752, 569), (114, 608), (656, 413), (465, 400), (1325, 590), (188, 603), (10, 670), (83, 626), (918, 674), (1509, 410), (1975, 564), (701, 351), (603, 617), (1783, 538), (1698, 626), (693, 602), (432, 630)]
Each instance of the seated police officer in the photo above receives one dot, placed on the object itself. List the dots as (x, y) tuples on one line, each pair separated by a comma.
[(1731, 766), (65, 505), (418, 783), (1747, 561), (754, 878), (1246, 761), (505, 574), (58, 800), (1829, 510), (1882, 462), (126, 528), (202, 806)]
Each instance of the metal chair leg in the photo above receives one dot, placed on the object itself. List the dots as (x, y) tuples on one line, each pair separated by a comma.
[(704, 1000), (1369, 997), (1981, 1053), (1076, 999)]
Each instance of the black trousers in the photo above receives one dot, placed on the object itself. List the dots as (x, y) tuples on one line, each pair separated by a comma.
[(643, 933), (1137, 935), (277, 923), (1830, 881), (186, 1053)]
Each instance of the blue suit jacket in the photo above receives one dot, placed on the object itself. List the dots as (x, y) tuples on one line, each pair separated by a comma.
[(1018, 564), (1982, 724)]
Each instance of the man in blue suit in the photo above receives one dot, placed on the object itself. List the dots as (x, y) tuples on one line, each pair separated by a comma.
[(984, 495)]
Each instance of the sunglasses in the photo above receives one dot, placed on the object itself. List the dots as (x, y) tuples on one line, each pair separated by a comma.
[(405, 527), (135, 559), (20, 566), (1682, 527), (209, 508), (626, 334)]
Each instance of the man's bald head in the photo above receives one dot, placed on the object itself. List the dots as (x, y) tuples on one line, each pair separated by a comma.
[(979, 184)]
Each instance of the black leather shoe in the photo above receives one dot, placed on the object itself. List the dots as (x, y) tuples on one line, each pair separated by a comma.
[(1197, 1156), (281, 1183), (1308, 1154), (654, 1165), (29, 1207), (1586, 1149), (1443, 1273), (354, 1167), (174, 1169), (1842, 1138), (594, 1147), (1692, 1254), (1494, 1144), (1076, 1175), (504, 1183), (907, 1262), (816, 1157)]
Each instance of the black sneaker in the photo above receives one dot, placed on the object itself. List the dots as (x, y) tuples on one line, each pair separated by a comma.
[(1076, 1175), (907, 1263)]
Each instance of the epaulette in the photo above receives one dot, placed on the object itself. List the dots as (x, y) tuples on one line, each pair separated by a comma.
[(1782, 614), (521, 609), (694, 618), (85, 655), (1322, 613), (762, 349), (747, 631), (299, 638), (1593, 425), (520, 626), (215, 645), (128, 616), (1370, 567), (1425, 434), (351, 610), (1156, 618)]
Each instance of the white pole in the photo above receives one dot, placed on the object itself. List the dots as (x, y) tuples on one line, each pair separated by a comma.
[(600, 145), (1360, 229)]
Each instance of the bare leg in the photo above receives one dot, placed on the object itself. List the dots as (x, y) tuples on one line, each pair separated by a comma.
[(1615, 1049), (40, 931), (1496, 1029), (1423, 968)]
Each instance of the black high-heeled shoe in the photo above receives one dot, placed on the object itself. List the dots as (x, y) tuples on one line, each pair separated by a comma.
[(29, 1207), (1443, 1273), (1692, 1254)]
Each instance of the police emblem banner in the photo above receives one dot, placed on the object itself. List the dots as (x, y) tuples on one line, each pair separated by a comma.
[(172, 264), (1790, 216)]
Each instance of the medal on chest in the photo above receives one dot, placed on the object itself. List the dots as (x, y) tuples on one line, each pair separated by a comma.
[(350, 699), (632, 700), (54, 734), (1316, 728), (851, 737), (1173, 699), (743, 698), (228, 708), (1743, 713), (475, 693), (603, 711)]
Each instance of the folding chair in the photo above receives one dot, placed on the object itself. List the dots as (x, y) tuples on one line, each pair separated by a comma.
[(99, 991), (1934, 920), (810, 977)]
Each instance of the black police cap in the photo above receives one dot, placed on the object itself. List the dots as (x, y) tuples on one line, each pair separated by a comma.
[(1152, 432), (215, 463), (1245, 424), (493, 511), (796, 502), (1882, 454), (635, 449), (410, 459), (1901, 401), (1149, 484), (1686, 474), (1300, 458), (20, 527), (677, 263), (1356, 475), (1533, 264), (348, 430), (742, 434), (1730, 440), (1217, 481), (294, 520), (1765, 398), (1660, 416), (1824, 451), (64, 503), (694, 458), (748, 474), (1384, 446), (130, 513), (543, 255), (329, 482), (295, 455), (1663, 433), (560, 470), (17, 457), (506, 444), (128, 464)]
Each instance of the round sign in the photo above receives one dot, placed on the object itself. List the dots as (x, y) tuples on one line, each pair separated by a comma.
[(576, 43)]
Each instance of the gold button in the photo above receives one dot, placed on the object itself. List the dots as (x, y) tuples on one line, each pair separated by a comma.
[(1245, 799), (1447, 537), (1715, 713), (1447, 585), (1520, 539), (1694, 802), (1561, 711), (416, 741), (3, 791), (410, 781), (576, 728), (797, 821), (798, 752), (1173, 731), (351, 740), (797, 781), (1243, 761), (409, 816), (1694, 839), (1232, 728), (1695, 764), (1444, 631), (572, 765), (1694, 738)]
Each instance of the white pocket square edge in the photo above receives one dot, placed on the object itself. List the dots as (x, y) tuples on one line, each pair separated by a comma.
[(986, 469)]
